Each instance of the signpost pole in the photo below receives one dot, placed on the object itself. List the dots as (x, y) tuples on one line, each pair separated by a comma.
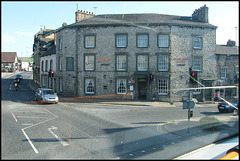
[(189, 109)]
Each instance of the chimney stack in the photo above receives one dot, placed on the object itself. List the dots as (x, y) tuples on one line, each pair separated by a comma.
[(82, 15), (201, 14), (231, 43)]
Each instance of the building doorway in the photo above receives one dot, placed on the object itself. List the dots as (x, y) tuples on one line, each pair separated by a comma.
[(142, 88), (209, 95)]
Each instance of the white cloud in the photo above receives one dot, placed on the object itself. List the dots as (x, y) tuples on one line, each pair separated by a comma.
[(8, 38)]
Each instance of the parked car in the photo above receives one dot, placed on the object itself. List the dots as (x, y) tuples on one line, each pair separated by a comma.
[(46, 95), (224, 107), (19, 76)]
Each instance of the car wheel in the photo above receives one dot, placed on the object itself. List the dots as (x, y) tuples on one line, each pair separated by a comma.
[(221, 111)]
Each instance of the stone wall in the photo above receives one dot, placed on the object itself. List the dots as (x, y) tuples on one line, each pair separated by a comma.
[(180, 50)]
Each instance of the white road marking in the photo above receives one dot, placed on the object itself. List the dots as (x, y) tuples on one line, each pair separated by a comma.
[(58, 138), (30, 142), (32, 125), (32, 117), (27, 124), (30, 111), (14, 117)]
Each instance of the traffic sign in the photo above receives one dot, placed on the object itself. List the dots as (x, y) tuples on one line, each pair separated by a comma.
[(185, 104)]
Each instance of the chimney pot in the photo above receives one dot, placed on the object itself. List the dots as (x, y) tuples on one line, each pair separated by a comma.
[(83, 15)]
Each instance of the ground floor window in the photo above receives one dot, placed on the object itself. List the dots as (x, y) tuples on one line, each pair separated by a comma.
[(50, 82), (163, 86), (197, 91), (43, 81), (223, 73), (89, 86), (60, 85), (121, 86)]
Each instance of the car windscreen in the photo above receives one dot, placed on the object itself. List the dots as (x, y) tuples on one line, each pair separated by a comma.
[(46, 92)]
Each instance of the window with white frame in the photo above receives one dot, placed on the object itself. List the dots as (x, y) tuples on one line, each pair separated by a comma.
[(197, 63), (121, 62), (49, 82), (163, 86), (43, 81), (142, 40), (197, 42), (46, 66), (121, 40), (60, 84), (70, 63), (142, 62), (60, 44), (197, 91), (163, 61), (163, 40), (89, 62), (89, 86), (60, 63), (90, 41), (121, 86), (51, 65), (223, 73)]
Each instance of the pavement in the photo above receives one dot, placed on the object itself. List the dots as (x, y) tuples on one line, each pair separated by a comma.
[(112, 101)]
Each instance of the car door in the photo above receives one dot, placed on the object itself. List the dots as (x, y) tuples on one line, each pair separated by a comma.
[(38, 94)]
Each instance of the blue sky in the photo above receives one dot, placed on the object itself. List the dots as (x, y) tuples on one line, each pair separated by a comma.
[(20, 20)]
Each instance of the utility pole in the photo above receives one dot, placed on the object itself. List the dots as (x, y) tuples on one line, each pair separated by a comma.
[(236, 35)]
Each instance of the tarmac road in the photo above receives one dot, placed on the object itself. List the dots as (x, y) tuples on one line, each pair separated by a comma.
[(102, 130)]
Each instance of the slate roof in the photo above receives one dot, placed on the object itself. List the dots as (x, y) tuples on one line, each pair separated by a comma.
[(45, 41), (224, 49), (9, 57), (49, 51), (139, 19)]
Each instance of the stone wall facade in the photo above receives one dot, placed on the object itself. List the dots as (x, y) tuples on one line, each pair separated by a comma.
[(229, 62), (180, 54)]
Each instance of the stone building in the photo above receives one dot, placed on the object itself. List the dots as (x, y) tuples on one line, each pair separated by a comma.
[(48, 65), (117, 54), (227, 68), (40, 39)]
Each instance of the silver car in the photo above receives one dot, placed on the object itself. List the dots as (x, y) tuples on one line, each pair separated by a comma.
[(46, 95)]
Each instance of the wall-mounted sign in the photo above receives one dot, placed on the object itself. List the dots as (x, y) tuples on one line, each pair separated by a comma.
[(105, 60), (181, 61)]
